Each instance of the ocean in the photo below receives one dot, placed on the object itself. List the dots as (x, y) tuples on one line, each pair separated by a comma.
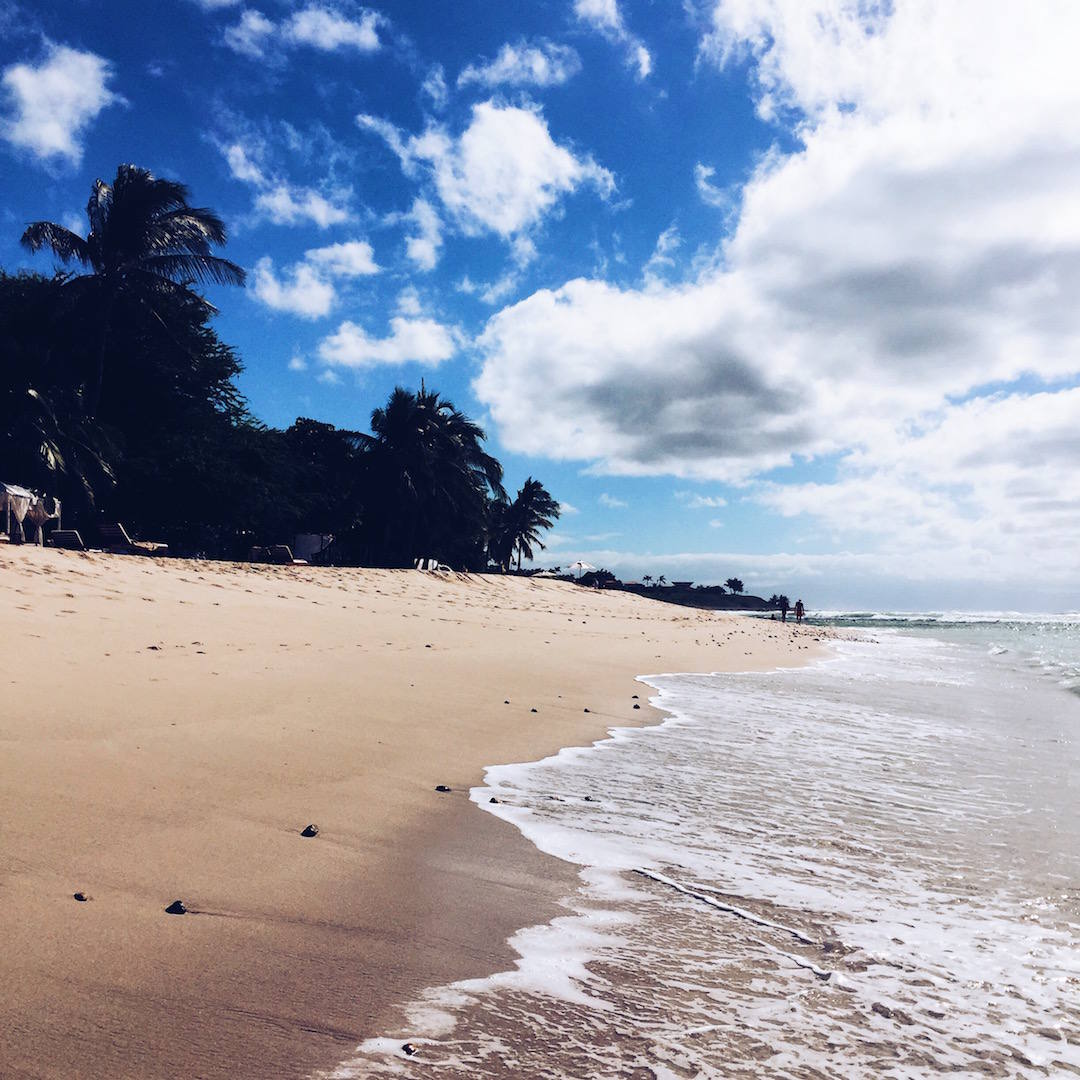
[(865, 867)]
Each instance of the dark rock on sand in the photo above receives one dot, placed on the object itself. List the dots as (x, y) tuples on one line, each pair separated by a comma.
[(532, 710), (633, 697), (586, 710), (176, 908), (410, 1050), (310, 830), (637, 706), (441, 787), (493, 799), (81, 897)]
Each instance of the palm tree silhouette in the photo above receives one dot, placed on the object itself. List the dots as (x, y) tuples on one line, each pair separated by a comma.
[(647, 579), (517, 524), (661, 580), (144, 240), (430, 479)]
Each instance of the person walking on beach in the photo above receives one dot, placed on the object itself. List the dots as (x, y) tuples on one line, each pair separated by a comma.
[(800, 611)]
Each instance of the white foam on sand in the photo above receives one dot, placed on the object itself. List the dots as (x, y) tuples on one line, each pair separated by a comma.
[(869, 866)]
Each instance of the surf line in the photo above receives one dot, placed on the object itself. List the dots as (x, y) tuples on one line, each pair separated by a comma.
[(740, 913)]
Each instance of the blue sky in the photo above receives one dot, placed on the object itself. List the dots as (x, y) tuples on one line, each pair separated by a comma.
[(774, 288)]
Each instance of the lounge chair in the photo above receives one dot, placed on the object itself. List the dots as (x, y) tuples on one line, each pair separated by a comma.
[(281, 555), (69, 539), (114, 538)]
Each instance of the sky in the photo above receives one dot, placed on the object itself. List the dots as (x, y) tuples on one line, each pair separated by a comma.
[(777, 289)]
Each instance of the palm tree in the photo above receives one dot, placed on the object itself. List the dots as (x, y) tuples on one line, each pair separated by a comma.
[(144, 240), (647, 579), (517, 524), (734, 584), (661, 580), (430, 480)]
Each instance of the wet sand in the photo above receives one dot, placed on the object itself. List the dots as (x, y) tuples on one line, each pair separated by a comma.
[(169, 727)]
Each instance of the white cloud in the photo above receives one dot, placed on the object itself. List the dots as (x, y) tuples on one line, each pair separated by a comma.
[(566, 509), (353, 258), (50, 106), (298, 363), (216, 5), (920, 243), (308, 288), (242, 167), (408, 301), (692, 500), (543, 63), (420, 340), (324, 28), (423, 245), (315, 26), (663, 256), (611, 502), (281, 202), (251, 35), (606, 17), (306, 293), (710, 194), (502, 175), (434, 86), (287, 205)]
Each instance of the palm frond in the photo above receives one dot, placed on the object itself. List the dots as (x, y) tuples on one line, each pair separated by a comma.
[(183, 266), (64, 243)]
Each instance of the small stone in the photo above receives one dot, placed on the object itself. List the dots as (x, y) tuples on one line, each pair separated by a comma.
[(507, 701), (636, 706), (310, 830), (532, 710), (589, 798), (441, 787), (586, 710), (81, 897), (409, 1050), (493, 799), (427, 646), (633, 697), (176, 908)]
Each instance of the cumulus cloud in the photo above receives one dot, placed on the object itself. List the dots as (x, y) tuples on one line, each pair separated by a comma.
[(284, 204), (51, 105), (279, 201), (251, 35), (315, 26), (424, 243), (306, 293), (308, 289), (411, 339), (920, 243), (540, 63), (610, 502), (606, 17), (502, 175)]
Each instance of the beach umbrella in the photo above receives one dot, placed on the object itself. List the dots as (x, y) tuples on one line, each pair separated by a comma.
[(581, 567)]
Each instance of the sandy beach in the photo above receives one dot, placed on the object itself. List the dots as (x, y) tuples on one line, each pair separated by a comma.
[(169, 727)]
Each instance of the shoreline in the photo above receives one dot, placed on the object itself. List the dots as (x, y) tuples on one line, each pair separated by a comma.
[(170, 726)]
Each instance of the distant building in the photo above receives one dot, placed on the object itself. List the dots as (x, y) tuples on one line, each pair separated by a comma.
[(681, 584)]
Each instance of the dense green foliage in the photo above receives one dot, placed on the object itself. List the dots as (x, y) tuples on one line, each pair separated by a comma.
[(117, 395)]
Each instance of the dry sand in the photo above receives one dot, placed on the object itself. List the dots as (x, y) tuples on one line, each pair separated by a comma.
[(168, 727)]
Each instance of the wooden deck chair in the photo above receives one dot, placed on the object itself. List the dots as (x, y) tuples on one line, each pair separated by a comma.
[(68, 539), (115, 539)]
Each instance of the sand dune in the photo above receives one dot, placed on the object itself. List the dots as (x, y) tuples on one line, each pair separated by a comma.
[(169, 727)]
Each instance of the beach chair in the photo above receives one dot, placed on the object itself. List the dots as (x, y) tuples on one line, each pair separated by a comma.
[(114, 539), (281, 555), (68, 539)]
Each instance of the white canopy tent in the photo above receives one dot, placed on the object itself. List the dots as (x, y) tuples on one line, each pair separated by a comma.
[(19, 504)]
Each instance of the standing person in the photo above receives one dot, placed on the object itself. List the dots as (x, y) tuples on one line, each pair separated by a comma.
[(784, 605), (800, 611)]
